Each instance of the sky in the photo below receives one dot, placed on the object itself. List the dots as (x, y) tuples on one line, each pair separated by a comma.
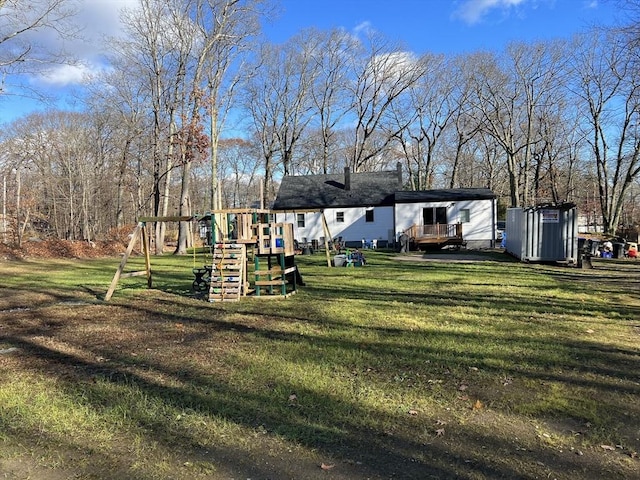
[(446, 26), (437, 26)]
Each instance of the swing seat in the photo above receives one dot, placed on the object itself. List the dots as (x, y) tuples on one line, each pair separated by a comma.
[(202, 279)]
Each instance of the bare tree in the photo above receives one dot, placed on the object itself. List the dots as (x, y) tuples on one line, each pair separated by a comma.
[(511, 93), (630, 25), (122, 107), (422, 116), (27, 152), (240, 176), (606, 86), (558, 159), (537, 70), (214, 47), (239, 165), (494, 101), (63, 157), (264, 116), (278, 97), (184, 50), (382, 73), (229, 38), (331, 53), (461, 142), (157, 50), (26, 33)]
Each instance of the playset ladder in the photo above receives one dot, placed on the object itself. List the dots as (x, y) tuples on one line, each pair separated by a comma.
[(228, 273)]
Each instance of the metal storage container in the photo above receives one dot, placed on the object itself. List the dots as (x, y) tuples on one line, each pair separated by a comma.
[(543, 233)]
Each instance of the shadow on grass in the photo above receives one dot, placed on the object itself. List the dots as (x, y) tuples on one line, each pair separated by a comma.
[(332, 424), (378, 454)]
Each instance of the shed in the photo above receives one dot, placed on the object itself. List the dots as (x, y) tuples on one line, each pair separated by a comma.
[(545, 233)]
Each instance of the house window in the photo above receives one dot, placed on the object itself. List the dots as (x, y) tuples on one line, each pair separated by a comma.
[(368, 216), (339, 217), (300, 219), (464, 215)]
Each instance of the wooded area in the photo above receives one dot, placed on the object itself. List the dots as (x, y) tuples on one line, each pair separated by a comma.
[(198, 112)]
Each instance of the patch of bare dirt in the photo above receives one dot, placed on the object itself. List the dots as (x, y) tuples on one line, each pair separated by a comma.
[(457, 256), (56, 248)]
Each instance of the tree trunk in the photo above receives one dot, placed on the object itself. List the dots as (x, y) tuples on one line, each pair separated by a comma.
[(185, 210)]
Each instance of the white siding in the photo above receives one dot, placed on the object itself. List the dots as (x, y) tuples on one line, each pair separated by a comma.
[(353, 229), (479, 231)]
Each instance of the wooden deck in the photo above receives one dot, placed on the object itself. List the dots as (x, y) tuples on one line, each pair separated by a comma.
[(438, 235)]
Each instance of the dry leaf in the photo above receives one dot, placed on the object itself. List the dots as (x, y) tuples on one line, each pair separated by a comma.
[(463, 387), (413, 413), (607, 447), (325, 466), (440, 432), (590, 331), (477, 405), (440, 422)]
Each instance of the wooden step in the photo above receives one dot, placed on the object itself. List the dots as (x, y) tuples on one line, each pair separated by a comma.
[(228, 277), (264, 283)]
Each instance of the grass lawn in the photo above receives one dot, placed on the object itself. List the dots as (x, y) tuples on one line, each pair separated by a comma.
[(408, 368)]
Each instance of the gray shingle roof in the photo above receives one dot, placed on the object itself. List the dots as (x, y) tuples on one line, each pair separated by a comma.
[(367, 189), (321, 191), (444, 195)]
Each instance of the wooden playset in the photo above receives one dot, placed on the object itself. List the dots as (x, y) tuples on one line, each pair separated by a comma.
[(233, 239)]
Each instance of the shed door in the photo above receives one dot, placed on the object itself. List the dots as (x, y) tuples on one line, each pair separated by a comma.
[(433, 215)]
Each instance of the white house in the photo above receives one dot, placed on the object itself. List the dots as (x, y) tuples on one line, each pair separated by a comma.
[(368, 206), (472, 209)]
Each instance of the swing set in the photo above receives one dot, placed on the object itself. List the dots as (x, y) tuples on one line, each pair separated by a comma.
[(229, 238)]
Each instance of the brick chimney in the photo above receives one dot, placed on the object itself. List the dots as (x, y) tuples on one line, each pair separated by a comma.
[(399, 170), (347, 178)]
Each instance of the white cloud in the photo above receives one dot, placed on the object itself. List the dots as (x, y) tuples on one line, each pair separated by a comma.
[(362, 27), (473, 11), (102, 17), (99, 19), (96, 20), (66, 75)]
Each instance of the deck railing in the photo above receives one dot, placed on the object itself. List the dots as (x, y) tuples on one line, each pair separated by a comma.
[(436, 231)]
